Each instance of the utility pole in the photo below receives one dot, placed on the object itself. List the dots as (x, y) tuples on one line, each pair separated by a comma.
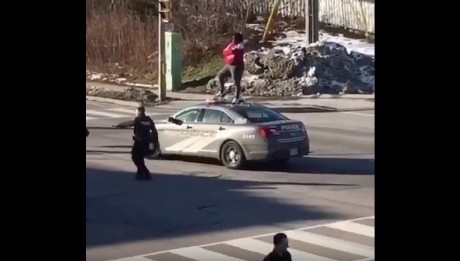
[(164, 16), (312, 21)]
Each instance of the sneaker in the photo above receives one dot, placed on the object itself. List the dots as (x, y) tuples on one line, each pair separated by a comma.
[(237, 100), (220, 94)]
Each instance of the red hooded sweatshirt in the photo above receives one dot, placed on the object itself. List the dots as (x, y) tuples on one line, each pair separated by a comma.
[(234, 54)]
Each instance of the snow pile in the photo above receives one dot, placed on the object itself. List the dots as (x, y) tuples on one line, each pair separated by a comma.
[(120, 79), (292, 69), (128, 94)]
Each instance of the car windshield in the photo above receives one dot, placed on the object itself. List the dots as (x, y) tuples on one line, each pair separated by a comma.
[(258, 114)]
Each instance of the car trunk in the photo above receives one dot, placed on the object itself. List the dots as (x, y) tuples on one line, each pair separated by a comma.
[(284, 131)]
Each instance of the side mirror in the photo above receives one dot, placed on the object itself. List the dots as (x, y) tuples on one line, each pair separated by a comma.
[(175, 121)]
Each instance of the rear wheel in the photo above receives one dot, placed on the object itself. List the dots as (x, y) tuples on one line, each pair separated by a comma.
[(232, 155)]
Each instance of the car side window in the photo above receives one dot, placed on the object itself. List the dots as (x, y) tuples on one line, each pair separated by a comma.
[(215, 116), (189, 115), (226, 119)]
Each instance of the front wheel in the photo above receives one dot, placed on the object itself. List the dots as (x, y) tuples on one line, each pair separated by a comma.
[(232, 155)]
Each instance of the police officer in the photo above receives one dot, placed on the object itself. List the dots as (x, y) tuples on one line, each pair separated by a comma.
[(280, 246), (144, 133)]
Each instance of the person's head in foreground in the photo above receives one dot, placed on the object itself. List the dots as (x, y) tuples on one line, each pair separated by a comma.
[(280, 242)]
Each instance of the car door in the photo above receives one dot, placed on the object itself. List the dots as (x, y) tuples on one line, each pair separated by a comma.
[(209, 127), (174, 138)]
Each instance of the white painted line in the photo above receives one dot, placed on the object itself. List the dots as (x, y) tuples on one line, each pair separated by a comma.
[(132, 112), (367, 259), (124, 110), (334, 243), (263, 248), (358, 113), (354, 228), (135, 258), (251, 237), (107, 114), (201, 254), (90, 118), (250, 244)]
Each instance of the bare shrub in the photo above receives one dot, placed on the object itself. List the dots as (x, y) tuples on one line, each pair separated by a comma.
[(125, 32)]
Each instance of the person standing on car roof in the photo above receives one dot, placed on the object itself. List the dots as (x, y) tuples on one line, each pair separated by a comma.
[(234, 66), (144, 132)]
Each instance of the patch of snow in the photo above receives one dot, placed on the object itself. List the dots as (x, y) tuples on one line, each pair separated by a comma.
[(295, 39), (334, 64), (95, 76), (256, 27), (355, 45)]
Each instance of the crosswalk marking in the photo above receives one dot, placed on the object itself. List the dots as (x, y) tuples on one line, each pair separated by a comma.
[(260, 247), (346, 240), (331, 243), (354, 228), (105, 114), (135, 258), (118, 112), (201, 254), (124, 110), (251, 245)]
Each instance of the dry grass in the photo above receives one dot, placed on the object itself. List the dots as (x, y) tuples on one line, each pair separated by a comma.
[(122, 37)]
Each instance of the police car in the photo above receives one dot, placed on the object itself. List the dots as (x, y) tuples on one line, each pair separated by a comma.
[(233, 133)]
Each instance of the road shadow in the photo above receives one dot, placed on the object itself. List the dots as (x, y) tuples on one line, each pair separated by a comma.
[(307, 165), (117, 146), (120, 209), (107, 151), (320, 165)]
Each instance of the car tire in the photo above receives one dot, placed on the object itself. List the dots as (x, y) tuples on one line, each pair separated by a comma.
[(232, 155)]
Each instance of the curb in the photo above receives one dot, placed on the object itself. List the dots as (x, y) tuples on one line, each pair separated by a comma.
[(339, 96), (253, 98), (114, 101), (304, 109), (317, 109), (282, 109), (314, 96), (125, 103), (125, 84)]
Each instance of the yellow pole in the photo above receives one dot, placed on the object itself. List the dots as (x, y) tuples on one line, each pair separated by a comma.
[(271, 20)]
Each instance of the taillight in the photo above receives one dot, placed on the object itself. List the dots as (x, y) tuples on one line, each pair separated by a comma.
[(265, 132)]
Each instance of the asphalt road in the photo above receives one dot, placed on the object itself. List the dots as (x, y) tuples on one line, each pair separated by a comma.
[(192, 203)]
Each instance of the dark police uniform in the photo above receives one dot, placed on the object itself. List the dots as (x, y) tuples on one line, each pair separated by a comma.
[(273, 256), (144, 132)]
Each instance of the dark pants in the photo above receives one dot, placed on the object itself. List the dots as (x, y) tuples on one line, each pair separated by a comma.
[(236, 71), (139, 151)]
